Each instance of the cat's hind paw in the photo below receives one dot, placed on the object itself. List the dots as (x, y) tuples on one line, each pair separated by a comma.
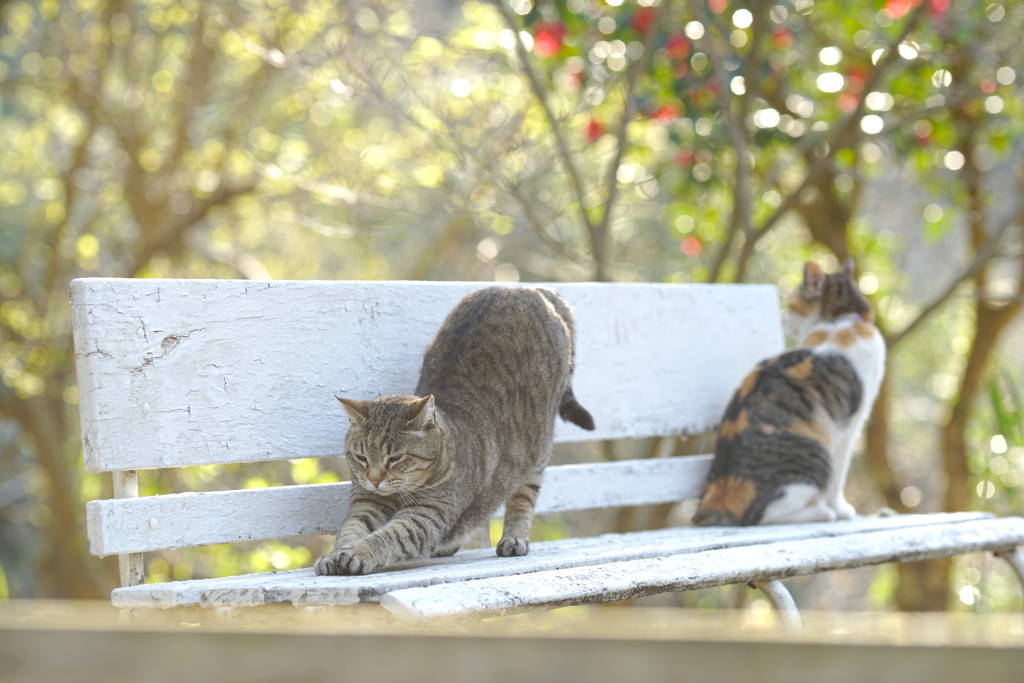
[(511, 546)]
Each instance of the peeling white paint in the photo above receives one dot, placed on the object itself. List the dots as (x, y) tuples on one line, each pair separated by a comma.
[(235, 371), (130, 525), (302, 587), (177, 373), (634, 578)]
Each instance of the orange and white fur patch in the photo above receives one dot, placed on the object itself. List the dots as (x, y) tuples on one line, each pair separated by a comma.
[(786, 439)]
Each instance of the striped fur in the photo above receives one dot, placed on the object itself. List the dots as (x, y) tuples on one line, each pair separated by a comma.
[(786, 439), (477, 435)]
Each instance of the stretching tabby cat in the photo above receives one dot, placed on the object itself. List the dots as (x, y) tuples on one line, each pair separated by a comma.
[(786, 439), (430, 468)]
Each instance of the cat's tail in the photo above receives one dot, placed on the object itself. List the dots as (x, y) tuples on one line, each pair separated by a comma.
[(571, 411)]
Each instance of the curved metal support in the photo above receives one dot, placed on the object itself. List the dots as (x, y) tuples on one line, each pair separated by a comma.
[(783, 603), (1015, 558)]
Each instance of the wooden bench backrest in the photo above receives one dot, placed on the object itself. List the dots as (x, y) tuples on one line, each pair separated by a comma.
[(176, 373)]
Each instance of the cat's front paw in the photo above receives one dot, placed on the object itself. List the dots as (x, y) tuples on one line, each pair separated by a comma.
[(344, 562), (845, 511), (511, 546)]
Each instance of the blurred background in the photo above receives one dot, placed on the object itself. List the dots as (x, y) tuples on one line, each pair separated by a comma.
[(524, 140)]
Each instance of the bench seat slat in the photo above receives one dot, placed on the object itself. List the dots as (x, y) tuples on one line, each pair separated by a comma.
[(302, 587), (135, 525), (635, 578), (176, 373)]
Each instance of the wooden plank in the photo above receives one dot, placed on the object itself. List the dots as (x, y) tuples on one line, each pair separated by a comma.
[(135, 525), (302, 587), (620, 580), (131, 566), (101, 655), (186, 372)]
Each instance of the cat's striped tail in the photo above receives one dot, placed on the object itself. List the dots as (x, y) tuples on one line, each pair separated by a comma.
[(570, 410)]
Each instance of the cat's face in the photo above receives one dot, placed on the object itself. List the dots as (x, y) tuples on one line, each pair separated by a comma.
[(393, 443), (824, 298)]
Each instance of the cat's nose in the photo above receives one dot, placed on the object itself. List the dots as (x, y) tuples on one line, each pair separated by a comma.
[(376, 482)]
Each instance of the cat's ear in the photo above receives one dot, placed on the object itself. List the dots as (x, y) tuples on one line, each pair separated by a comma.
[(850, 269), (357, 410), (814, 279), (422, 414)]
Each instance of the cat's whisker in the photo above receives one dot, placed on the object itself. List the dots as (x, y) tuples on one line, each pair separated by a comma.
[(418, 497)]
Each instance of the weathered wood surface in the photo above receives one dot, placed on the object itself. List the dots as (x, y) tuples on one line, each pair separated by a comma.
[(668, 648), (635, 578), (174, 373), (302, 587), (135, 525)]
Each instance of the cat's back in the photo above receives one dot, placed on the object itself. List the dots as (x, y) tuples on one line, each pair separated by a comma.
[(860, 343), (500, 337)]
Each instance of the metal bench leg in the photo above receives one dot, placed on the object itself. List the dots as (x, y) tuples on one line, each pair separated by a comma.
[(1015, 558), (783, 603)]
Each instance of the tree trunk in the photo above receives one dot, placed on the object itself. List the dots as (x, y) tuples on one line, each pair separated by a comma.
[(876, 449), (924, 585), (60, 572)]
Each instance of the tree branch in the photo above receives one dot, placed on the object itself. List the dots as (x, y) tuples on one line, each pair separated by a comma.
[(191, 93), (173, 236), (736, 124), (600, 231), (989, 250), (839, 139), (537, 88)]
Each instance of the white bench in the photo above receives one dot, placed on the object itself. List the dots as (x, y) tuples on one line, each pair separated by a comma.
[(180, 373)]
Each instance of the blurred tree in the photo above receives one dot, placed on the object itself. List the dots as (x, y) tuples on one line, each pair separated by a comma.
[(122, 140), (647, 140), (794, 99)]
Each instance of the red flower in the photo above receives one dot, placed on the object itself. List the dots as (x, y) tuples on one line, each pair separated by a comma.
[(642, 18), (678, 46), (691, 246), (547, 38), (685, 157), (856, 77), (782, 38), (897, 8), (594, 130), (666, 112), (988, 86)]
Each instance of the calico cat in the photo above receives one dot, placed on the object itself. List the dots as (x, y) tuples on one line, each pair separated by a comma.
[(430, 468), (785, 442)]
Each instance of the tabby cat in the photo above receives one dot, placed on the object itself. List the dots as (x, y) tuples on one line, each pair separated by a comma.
[(785, 442), (429, 469)]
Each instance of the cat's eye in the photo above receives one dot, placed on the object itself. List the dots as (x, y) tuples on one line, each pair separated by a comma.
[(394, 459), (359, 458)]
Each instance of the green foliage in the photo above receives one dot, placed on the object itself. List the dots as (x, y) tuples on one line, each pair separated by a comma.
[(641, 140)]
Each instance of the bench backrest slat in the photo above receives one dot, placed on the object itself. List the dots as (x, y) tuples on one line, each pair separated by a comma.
[(135, 525), (177, 373)]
